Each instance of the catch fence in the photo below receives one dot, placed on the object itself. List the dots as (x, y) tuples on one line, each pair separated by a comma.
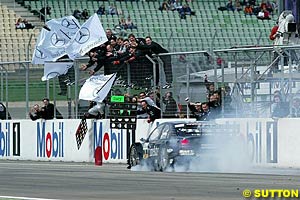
[(245, 77)]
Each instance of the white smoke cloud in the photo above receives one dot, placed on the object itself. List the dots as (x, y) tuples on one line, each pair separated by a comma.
[(221, 152)]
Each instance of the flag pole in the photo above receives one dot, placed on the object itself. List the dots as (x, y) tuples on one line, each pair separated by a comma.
[(66, 8), (105, 83)]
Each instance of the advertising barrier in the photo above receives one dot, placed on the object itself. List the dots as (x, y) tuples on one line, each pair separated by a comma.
[(112, 141), (51, 140), (269, 142), (261, 138), (288, 142)]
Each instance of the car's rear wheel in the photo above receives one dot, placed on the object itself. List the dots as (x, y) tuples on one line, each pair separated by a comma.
[(135, 154)]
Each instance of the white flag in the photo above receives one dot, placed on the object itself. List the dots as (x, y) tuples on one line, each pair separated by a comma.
[(52, 42), (39, 56), (97, 87), (54, 69), (65, 27), (90, 35), (45, 50)]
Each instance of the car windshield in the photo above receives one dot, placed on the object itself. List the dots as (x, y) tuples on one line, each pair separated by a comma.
[(187, 130)]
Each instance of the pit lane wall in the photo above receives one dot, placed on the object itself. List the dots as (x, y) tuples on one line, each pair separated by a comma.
[(269, 142)]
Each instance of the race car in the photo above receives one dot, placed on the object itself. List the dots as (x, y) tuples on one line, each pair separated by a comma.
[(177, 143)]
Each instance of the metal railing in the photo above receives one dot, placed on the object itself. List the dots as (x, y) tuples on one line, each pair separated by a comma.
[(252, 74)]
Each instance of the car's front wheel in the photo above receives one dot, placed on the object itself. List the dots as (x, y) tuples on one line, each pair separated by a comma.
[(135, 154), (163, 159)]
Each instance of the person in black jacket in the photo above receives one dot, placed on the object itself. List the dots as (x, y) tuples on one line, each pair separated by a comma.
[(155, 48), (152, 111), (3, 111), (44, 12), (195, 108), (171, 106), (48, 110)]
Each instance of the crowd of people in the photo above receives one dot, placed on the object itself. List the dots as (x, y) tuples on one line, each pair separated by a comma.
[(212, 107), (116, 53), (262, 10), (281, 107), (176, 5), (111, 10), (148, 106), (126, 23)]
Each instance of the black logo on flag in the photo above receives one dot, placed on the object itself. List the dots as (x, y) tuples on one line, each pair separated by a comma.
[(56, 41), (39, 53), (70, 24), (83, 36)]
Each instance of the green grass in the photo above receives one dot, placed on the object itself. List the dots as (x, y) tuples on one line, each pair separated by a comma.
[(37, 91)]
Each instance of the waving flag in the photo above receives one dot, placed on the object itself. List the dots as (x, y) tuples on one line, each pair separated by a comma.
[(49, 47), (39, 56), (81, 132), (65, 28), (54, 69), (53, 40), (90, 35), (97, 87)]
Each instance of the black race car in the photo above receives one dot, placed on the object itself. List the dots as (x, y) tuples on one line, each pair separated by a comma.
[(175, 143)]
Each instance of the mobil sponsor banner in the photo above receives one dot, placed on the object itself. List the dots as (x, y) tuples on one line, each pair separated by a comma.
[(10, 139), (46, 140), (288, 142), (113, 142), (261, 138), (55, 140)]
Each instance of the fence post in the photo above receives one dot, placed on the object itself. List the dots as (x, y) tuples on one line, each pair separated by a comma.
[(188, 88), (161, 65)]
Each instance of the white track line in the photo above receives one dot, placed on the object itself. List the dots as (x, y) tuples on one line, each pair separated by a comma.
[(24, 198)]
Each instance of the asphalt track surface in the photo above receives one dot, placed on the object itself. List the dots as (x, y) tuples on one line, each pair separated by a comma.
[(57, 180)]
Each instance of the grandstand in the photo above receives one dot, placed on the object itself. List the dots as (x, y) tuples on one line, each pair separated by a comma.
[(210, 28), (14, 42)]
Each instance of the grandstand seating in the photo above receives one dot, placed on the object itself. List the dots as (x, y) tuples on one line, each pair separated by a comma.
[(14, 42), (209, 28)]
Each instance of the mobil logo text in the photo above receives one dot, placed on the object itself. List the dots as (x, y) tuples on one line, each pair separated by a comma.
[(111, 141), (4, 139), (50, 141), (262, 141)]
